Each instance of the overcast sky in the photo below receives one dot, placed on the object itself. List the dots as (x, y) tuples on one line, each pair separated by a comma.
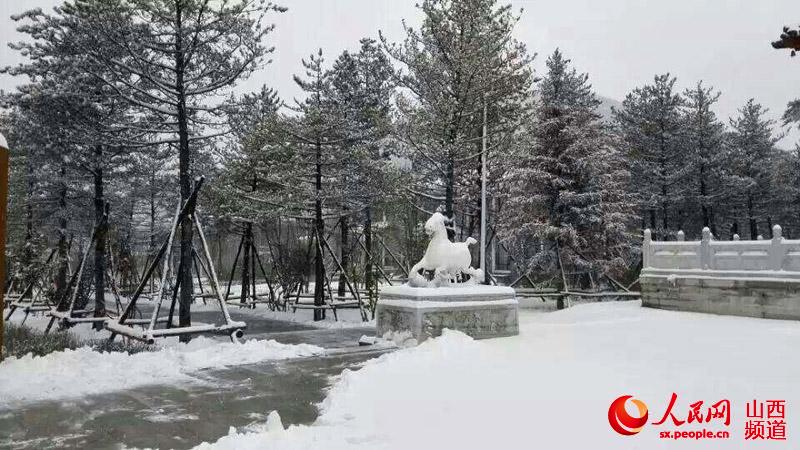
[(620, 43)]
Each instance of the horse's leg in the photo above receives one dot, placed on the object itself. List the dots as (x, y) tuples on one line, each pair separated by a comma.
[(414, 278)]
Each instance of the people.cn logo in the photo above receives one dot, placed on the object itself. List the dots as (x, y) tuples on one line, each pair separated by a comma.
[(622, 422)]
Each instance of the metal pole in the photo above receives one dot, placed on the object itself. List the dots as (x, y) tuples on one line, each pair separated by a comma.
[(483, 196), (3, 206)]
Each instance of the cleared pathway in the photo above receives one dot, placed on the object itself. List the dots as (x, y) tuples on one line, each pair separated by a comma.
[(181, 416)]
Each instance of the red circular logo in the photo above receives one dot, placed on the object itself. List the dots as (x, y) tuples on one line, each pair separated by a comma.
[(622, 422)]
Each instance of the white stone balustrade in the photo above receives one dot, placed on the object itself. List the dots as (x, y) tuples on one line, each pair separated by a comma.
[(754, 258), (758, 278)]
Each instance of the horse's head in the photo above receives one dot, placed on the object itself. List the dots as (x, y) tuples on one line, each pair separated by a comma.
[(435, 225)]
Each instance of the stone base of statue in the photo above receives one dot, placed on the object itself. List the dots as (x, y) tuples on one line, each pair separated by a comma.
[(479, 311)]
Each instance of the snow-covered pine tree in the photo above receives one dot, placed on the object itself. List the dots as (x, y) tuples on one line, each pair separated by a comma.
[(29, 180), (298, 162), (170, 59), (462, 56), (705, 158), (752, 147), (246, 113), (242, 155), (565, 186), (53, 184), (792, 113), (785, 198), (362, 88), (651, 126), (100, 131)]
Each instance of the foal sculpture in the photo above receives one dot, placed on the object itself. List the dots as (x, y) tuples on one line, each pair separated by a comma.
[(449, 261)]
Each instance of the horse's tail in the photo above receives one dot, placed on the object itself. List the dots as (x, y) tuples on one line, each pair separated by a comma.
[(470, 241)]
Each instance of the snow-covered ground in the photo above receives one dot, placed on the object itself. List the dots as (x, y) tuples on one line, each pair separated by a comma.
[(348, 318), (75, 373), (551, 387)]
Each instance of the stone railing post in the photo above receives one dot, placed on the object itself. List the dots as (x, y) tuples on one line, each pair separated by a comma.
[(777, 251), (705, 249), (646, 248)]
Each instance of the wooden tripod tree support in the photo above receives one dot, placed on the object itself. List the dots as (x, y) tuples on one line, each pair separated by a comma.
[(32, 298), (249, 296), (65, 312), (124, 325), (391, 254), (285, 287), (354, 292), (372, 288), (374, 261), (331, 301)]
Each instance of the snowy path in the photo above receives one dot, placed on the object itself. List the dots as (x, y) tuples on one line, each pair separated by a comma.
[(80, 372), (551, 387), (83, 371), (176, 416)]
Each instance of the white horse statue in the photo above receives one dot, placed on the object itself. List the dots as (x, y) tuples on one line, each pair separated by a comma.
[(448, 260)]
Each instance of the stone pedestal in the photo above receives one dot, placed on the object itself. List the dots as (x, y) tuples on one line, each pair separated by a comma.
[(478, 310)]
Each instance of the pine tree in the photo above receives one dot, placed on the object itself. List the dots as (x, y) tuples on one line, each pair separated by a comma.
[(28, 185), (96, 124), (651, 127), (565, 187), (705, 157), (785, 198), (792, 113), (752, 147), (40, 131), (462, 57), (362, 88), (297, 163), (245, 114), (169, 59)]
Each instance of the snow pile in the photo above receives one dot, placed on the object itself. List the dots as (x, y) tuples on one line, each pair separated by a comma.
[(551, 387), (75, 373)]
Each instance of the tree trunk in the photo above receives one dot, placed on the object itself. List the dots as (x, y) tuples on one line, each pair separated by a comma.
[(28, 255), (751, 218), (63, 245), (368, 276), (664, 210), (653, 223), (448, 198), (769, 226), (319, 224), (100, 243), (345, 241), (185, 174), (151, 253), (248, 243), (703, 204), (713, 220), (130, 274)]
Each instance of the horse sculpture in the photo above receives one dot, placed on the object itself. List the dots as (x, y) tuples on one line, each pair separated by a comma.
[(448, 260)]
